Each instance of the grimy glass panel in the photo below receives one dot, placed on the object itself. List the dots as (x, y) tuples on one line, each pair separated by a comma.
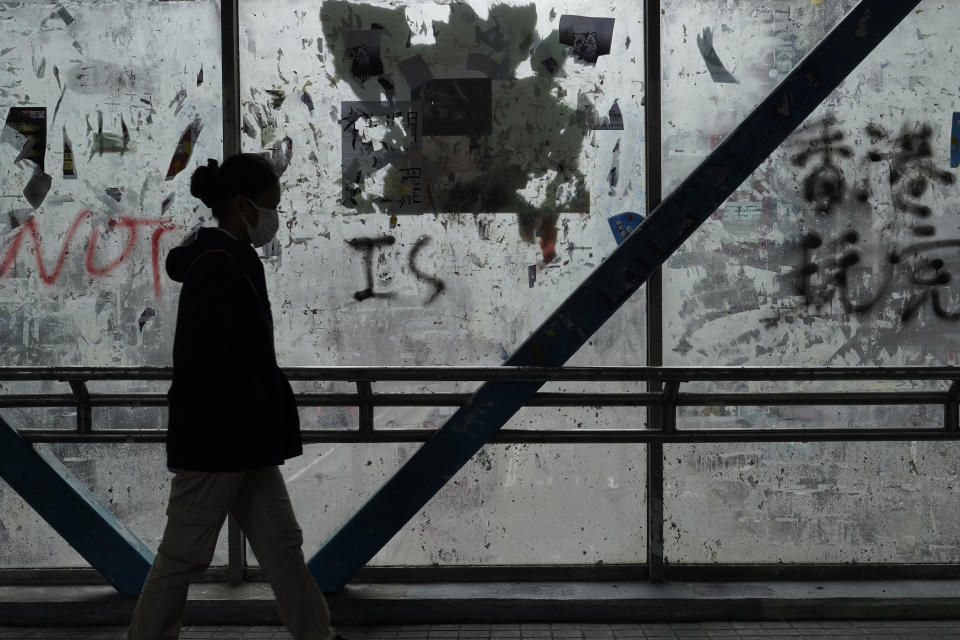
[(131, 480), (106, 107), (451, 174), (511, 504), (836, 252)]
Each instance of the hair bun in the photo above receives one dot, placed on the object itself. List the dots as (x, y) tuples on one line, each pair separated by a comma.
[(203, 183)]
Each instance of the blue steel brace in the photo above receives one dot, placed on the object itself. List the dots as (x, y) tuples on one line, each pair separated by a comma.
[(608, 287), (67, 505)]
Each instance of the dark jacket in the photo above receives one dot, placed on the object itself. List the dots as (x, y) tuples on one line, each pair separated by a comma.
[(231, 407)]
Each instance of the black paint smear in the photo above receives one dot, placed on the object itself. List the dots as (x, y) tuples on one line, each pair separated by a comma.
[(550, 65), (488, 66), (114, 193), (415, 71), (457, 106), (490, 172), (280, 154), (388, 89), (367, 245), (531, 275), (166, 204), (277, 96), (126, 135), (200, 76), (493, 37)]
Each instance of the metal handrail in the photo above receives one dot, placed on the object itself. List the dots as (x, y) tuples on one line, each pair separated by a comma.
[(669, 399), (459, 373)]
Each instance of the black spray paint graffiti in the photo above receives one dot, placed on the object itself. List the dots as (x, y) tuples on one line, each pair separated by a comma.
[(910, 175), (926, 274), (825, 186), (368, 245)]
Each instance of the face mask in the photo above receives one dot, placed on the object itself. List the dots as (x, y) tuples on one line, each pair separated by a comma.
[(266, 227)]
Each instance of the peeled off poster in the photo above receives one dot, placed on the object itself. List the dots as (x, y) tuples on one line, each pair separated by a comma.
[(31, 124)]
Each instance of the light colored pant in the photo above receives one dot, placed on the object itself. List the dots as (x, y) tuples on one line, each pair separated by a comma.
[(199, 504)]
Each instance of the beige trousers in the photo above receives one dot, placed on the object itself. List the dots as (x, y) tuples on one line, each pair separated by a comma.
[(199, 504)]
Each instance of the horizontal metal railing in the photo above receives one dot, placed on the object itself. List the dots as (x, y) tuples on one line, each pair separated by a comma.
[(366, 399), (669, 399)]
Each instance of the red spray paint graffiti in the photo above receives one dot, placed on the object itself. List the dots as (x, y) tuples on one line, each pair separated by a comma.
[(163, 225)]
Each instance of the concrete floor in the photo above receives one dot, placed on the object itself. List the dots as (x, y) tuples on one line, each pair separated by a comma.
[(819, 630)]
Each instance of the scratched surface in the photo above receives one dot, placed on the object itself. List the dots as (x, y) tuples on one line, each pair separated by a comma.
[(777, 277), (522, 202), (136, 64), (513, 233)]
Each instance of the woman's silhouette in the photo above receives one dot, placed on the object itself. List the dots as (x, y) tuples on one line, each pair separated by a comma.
[(232, 417)]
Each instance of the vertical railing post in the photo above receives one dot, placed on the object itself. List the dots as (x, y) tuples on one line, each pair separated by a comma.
[(654, 315), (84, 411), (951, 411), (230, 91), (365, 406)]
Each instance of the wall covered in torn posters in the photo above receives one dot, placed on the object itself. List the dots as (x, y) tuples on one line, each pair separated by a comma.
[(837, 252), (450, 173)]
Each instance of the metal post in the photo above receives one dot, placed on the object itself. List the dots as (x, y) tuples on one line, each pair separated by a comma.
[(84, 411), (951, 410), (230, 62), (651, 84), (365, 405)]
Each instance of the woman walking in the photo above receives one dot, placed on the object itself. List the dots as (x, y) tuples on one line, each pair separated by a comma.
[(232, 418)]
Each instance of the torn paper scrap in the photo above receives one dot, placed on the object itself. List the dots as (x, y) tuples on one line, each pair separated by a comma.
[(717, 71)]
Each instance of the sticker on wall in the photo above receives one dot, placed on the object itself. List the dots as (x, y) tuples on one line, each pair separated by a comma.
[(457, 107), (69, 169), (717, 71), (589, 37), (623, 224), (181, 155), (363, 50), (955, 141)]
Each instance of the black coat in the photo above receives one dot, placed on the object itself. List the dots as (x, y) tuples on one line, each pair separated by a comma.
[(231, 407)]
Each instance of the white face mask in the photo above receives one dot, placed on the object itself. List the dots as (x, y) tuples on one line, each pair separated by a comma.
[(266, 227)]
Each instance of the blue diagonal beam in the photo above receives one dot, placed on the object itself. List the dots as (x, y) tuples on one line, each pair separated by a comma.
[(608, 287), (67, 505)]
